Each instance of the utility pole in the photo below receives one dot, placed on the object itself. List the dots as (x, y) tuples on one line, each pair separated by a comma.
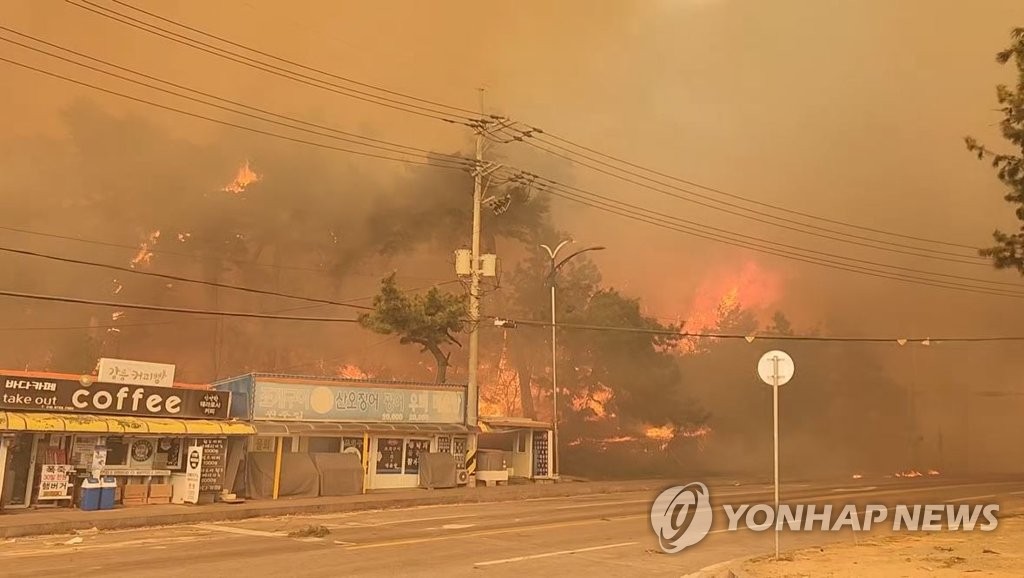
[(473, 388)]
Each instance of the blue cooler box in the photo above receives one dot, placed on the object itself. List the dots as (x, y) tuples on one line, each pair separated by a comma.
[(91, 490), (107, 489)]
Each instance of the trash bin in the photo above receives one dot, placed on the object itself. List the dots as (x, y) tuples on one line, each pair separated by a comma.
[(108, 487), (91, 490)]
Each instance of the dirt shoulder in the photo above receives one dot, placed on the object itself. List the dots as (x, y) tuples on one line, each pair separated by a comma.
[(996, 553)]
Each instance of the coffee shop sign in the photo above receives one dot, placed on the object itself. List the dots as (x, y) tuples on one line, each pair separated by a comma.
[(136, 372)]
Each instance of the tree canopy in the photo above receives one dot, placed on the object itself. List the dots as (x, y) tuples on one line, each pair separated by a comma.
[(1008, 252), (429, 320)]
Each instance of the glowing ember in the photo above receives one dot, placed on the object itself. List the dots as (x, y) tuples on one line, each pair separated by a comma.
[(909, 474), (664, 433), (933, 472), (697, 432), (145, 254), (117, 315), (857, 476), (352, 372), (182, 237), (245, 177)]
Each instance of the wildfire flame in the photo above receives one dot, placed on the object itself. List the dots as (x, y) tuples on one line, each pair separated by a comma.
[(750, 287), (933, 472), (145, 253), (596, 402), (352, 372), (858, 476), (909, 474), (243, 178)]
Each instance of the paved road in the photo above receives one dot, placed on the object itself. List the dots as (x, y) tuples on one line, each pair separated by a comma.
[(594, 535)]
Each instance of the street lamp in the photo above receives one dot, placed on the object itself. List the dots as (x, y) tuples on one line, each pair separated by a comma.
[(553, 253)]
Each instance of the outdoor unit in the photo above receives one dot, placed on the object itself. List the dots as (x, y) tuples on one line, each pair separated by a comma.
[(461, 477)]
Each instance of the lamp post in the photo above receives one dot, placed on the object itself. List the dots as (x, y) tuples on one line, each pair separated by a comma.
[(553, 254)]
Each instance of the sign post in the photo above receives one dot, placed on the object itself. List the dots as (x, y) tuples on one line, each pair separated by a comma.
[(193, 474), (776, 369)]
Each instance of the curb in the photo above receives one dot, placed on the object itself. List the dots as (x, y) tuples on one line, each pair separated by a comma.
[(283, 508)]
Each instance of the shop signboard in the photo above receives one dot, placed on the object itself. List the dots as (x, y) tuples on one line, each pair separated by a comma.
[(54, 482), (193, 474), (64, 395), (126, 371), (301, 402), (211, 476)]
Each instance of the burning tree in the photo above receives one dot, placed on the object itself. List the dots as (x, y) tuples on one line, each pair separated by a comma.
[(1008, 252), (429, 320)]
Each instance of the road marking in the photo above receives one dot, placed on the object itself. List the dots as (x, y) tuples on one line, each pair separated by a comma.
[(59, 549), (242, 531), (392, 522), (1016, 493), (549, 554), (592, 504), (456, 526), (477, 534), (970, 498), (867, 489)]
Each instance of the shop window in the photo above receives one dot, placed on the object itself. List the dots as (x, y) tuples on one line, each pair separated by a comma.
[(413, 449), (521, 442), (324, 445), (117, 451), (389, 456)]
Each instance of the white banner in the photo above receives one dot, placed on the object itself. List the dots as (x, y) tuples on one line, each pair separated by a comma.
[(136, 372)]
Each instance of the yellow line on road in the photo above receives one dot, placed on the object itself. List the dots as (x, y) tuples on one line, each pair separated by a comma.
[(550, 554)]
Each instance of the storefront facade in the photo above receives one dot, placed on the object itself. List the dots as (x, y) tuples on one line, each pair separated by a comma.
[(57, 430), (524, 447), (380, 428)]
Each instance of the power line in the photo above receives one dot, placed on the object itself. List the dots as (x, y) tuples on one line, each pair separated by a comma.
[(227, 123), (182, 279), (78, 301), (473, 113), (929, 253), (533, 132), (390, 146), (646, 218), (270, 68), (192, 257), (757, 336), (773, 244)]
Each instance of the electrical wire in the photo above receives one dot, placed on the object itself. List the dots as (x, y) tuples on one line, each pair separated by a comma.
[(390, 146), (226, 123), (748, 199), (534, 131), (893, 247), (756, 336), (182, 279), (662, 223), (294, 63), (270, 68), (79, 301), (774, 244), (195, 257)]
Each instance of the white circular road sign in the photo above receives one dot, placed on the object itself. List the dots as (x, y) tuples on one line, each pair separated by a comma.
[(776, 361)]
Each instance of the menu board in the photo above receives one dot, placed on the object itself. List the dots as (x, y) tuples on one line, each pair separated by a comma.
[(213, 466), (389, 456), (82, 450), (540, 454), (413, 449), (54, 483), (459, 449)]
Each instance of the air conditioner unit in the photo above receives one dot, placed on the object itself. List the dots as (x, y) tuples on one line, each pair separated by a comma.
[(461, 477)]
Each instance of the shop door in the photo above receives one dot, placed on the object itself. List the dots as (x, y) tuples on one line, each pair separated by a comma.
[(20, 467)]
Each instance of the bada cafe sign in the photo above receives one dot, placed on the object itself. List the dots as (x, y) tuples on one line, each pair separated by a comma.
[(65, 395)]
